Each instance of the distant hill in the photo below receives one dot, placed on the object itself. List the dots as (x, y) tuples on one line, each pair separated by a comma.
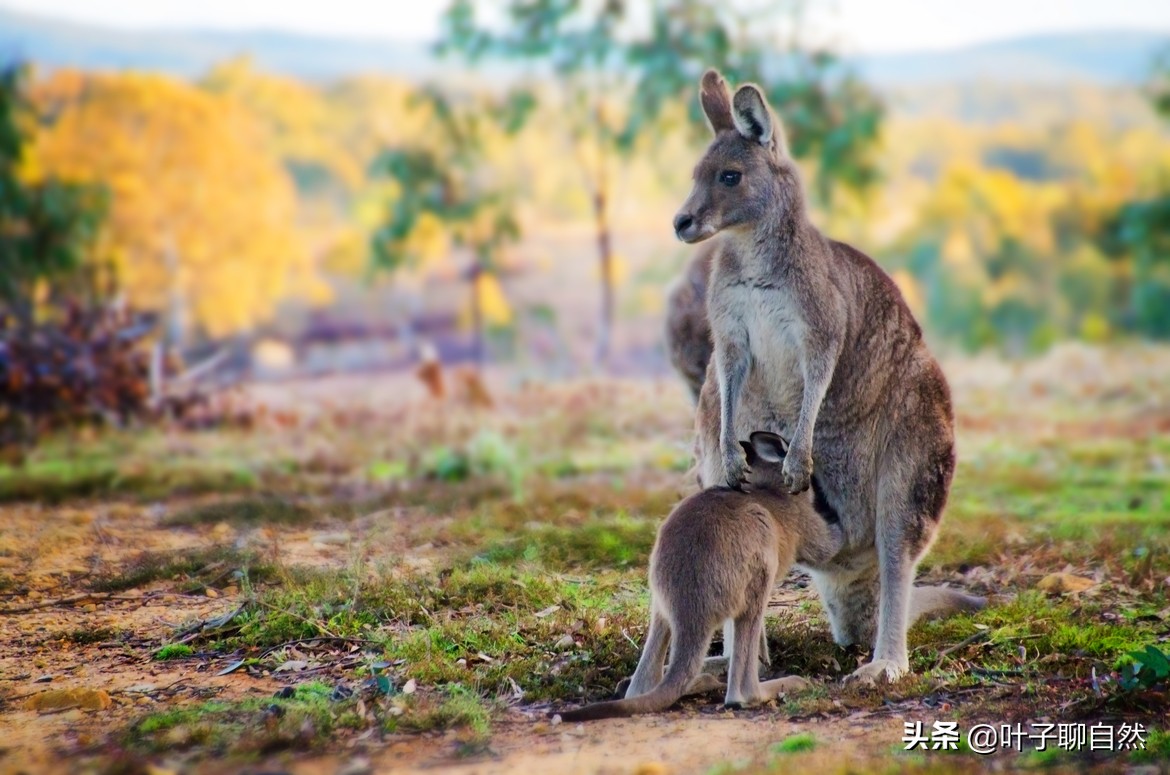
[(54, 44), (1106, 57)]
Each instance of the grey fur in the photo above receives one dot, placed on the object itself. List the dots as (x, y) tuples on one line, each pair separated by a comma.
[(714, 562), (688, 332), (813, 341)]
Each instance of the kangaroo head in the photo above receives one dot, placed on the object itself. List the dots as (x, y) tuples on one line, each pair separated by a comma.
[(745, 172), (765, 456)]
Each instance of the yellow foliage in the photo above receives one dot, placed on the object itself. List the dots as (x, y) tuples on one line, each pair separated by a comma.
[(493, 304), (429, 242), (619, 270), (200, 213), (910, 290), (651, 300), (1095, 328)]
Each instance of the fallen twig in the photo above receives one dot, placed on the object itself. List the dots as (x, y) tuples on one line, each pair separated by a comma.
[(978, 637), (62, 601), (302, 641)]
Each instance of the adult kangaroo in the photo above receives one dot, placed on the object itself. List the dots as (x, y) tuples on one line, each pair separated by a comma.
[(813, 341)]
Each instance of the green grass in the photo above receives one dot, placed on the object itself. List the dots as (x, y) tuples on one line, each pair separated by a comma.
[(305, 721), (477, 623), (798, 743), (459, 708), (312, 718), (538, 531), (1157, 748), (174, 651), (50, 478)]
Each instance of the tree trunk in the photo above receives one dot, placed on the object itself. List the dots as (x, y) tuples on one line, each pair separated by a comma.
[(604, 244), (605, 255), (477, 315)]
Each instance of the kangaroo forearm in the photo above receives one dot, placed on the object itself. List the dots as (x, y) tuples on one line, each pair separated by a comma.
[(818, 373), (732, 365)]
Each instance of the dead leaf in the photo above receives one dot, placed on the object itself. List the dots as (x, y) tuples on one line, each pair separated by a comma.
[(1063, 583), (552, 609), (292, 665), (233, 667)]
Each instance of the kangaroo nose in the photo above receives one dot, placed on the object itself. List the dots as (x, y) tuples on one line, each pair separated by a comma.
[(682, 222)]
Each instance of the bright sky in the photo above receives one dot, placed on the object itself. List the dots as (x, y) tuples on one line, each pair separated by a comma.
[(862, 25)]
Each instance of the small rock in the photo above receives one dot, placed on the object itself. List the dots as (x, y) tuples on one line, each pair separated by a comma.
[(44, 679), (210, 592), (556, 720), (332, 539), (358, 765), (566, 641), (63, 699), (409, 687), (89, 608)]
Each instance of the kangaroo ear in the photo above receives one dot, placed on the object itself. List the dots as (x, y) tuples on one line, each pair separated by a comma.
[(768, 447), (754, 120), (716, 101)]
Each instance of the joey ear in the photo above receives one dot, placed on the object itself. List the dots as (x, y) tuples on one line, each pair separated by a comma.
[(716, 101), (768, 447), (754, 120)]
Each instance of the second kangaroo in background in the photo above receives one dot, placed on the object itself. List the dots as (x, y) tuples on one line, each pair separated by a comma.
[(715, 561)]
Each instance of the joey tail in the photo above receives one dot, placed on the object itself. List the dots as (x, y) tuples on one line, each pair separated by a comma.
[(685, 665), (940, 601)]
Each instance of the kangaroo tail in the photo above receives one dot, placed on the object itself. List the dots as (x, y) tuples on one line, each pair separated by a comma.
[(685, 665), (941, 601)]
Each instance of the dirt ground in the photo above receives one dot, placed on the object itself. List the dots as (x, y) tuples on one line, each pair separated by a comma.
[(48, 552)]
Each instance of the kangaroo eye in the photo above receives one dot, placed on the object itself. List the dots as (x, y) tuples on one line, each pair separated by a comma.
[(730, 178)]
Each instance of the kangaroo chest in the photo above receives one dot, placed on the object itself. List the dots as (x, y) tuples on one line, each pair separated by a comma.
[(776, 335)]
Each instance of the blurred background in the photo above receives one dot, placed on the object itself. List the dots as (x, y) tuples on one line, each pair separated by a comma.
[(343, 323), (263, 191)]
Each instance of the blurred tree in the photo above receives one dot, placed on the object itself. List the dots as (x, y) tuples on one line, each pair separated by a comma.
[(1140, 233), (444, 187), (47, 227), (831, 118), (201, 222), (579, 44), (298, 121)]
